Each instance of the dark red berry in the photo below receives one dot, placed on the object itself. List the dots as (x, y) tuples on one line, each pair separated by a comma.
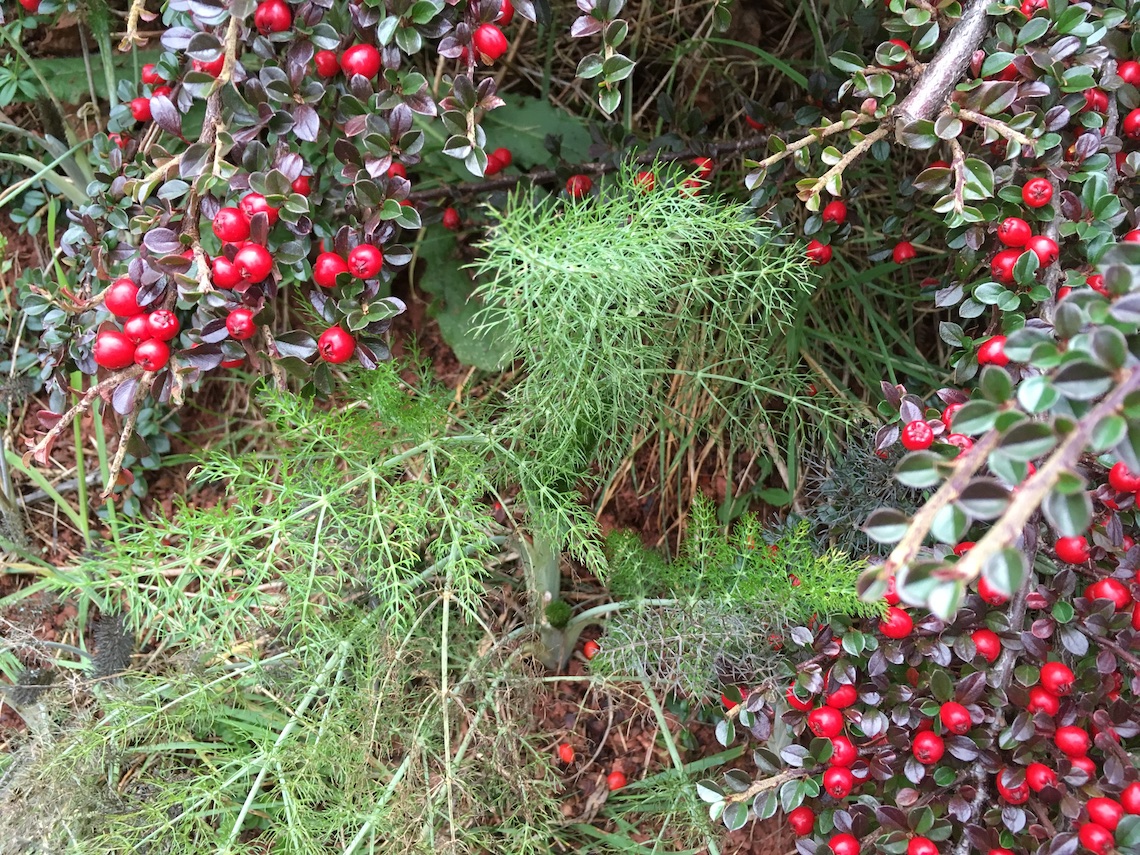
[(335, 345), (365, 261), (240, 325), (152, 355)]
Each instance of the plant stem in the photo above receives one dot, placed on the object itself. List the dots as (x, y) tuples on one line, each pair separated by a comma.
[(857, 151)]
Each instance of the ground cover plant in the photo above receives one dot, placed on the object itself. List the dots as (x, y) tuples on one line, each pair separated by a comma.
[(688, 301)]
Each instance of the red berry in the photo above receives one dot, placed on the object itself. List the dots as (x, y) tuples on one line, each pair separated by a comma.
[(31, 6), (645, 181), (1106, 812), (1000, 851), (818, 253), (1130, 798), (494, 165), (150, 75), (451, 219), (578, 186), (163, 325), (835, 212), (1042, 700), (795, 701), (921, 846), (842, 697), (226, 274), (802, 820), (140, 109), (917, 435), (1057, 678), (1014, 232), (1030, 7), (137, 328), (365, 261), (989, 593), (230, 225), (891, 597), (164, 91), (1045, 248), (152, 355), (504, 156), (1096, 838), (1015, 795), (844, 844), (615, 781), (1096, 101), (121, 298), (992, 352), (361, 59), (335, 345), (326, 63), (327, 267), (1129, 71), (838, 781), (566, 753), (1085, 764), (272, 16), (1039, 776), (489, 42), (1132, 236), (254, 203), (591, 649), (1001, 267), (906, 49), (897, 623), (212, 68), (987, 643), (825, 721), (949, 413), (704, 166), (1131, 124), (1121, 480), (1110, 589), (843, 752), (302, 184), (903, 252), (1072, 550), (928, 747), (1072, 740), (113, 350), (506, 13), (960, 441), (1037, 192), (253, 262), (239, 324), (955, 718), (397, 170)]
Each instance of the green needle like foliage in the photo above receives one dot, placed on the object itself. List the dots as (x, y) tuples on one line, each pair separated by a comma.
[(638, 312)]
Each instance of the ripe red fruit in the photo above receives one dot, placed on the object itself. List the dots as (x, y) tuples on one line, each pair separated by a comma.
[(818, 253), (897, 623), (704, 166), (230, 225), (989, 593), (992, 352), (1130, 798), (796, 702), (838, 781), (137, 328), (272, 16), (1001, 267), (802, 820), (1096, 838), (489, 42), (928, 747), (1057, 678), (949, 412), (842, 697), (891, 597), (361, 59), (494, 165), (844, 844), (152, 355), (1072, 740), (988, 644), (645, 181), (1000, 851), (163, 325), (1015, 795), (506, 13), (451, 219), (226, 274), (578, 186), (1014, 232), (955, 718), (1085, 764), (302, 184), (31, 6), (212, 68), (140, 109), (1072, 550), (1131, 124), (397, 170), (1121, 480), (903, 252), (1096, 101), (1030, 7), (906, 48), (843, 751), (165, 91), (327, 267), (113, 350), (150, 75), (365, 261), (239, 324), (825, 721), (121, 298), (835, 212), (335, 345), (1039, 776), (326, 63), (566, 753), (1042, 700), (615, 781), (1105, 812), (254, 203), (253, 262), (1129, 71), (917, 435), (504, 156), (591, 649), (921, 846), (1045, 248), (1132, 236), (1110, 589), (1037, 192)]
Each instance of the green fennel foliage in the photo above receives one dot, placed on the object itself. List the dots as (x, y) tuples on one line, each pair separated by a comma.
[(638, 312)]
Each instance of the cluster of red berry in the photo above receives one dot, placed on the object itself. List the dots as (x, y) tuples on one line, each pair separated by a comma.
[(616, 779), (144, 337)]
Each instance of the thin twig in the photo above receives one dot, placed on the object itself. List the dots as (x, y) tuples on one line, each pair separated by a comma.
[(857, 151), (42, 448), (996, 124)]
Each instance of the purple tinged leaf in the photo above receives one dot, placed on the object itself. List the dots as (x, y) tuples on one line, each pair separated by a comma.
[(165, 115), (162, 241), (123, 398), (305, 123), (585, 26), (205, 357)]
